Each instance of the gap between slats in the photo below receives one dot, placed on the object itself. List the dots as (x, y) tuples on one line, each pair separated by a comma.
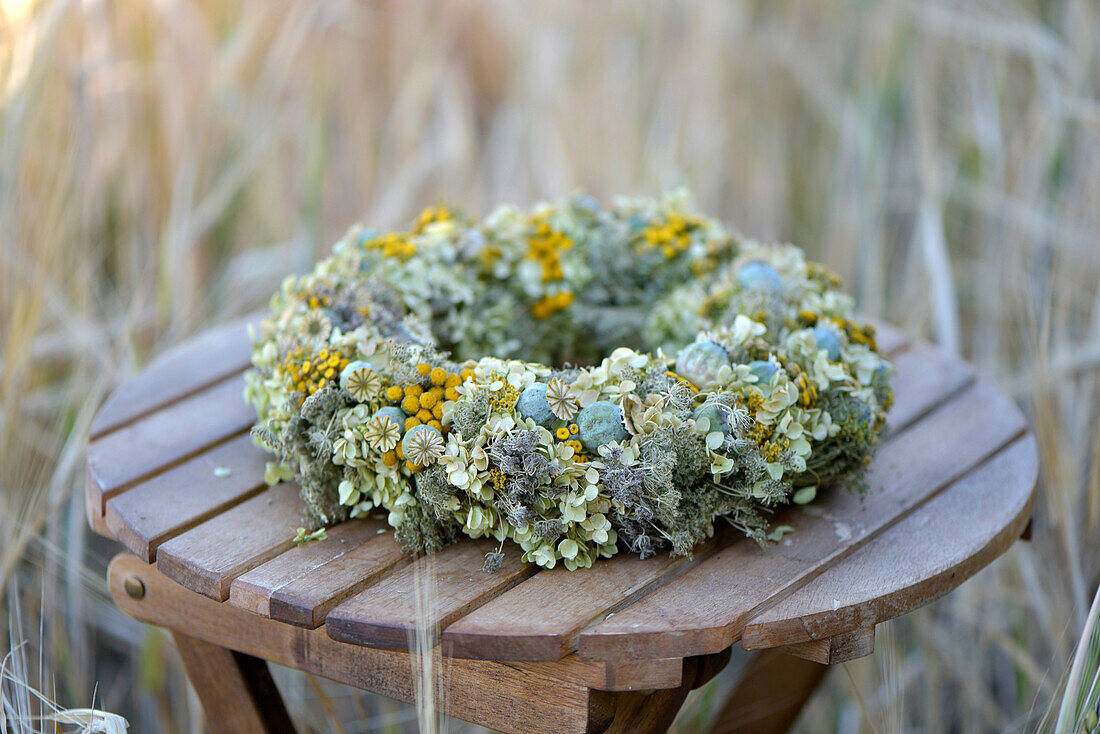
[(608, 640), (209, 556), (187, 495), (234, 370), (617, 604), (300, 586), (197, 364), (385, 614), (109, 481), (640, 591), (884, 529), (480, 634), (806, 615)]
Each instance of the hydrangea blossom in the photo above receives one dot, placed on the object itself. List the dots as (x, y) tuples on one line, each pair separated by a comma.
[(673, 375)]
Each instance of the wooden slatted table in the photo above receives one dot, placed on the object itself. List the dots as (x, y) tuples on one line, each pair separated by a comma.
[(174, 477)]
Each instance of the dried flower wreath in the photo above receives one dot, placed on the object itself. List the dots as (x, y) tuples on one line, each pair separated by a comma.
[(755, 387)]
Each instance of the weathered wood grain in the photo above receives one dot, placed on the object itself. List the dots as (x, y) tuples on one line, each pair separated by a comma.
[(540, 618), (160, 440), (704, 609), (651, 712), (151, 472), (925, 378), (180, 498), (188, 368), (770, 695), (636, 675), (929, 552), (303, 584), (236, 690), (481, 691), (208, 557), (506, 629), (839, 648), (432, 591), (93, 506)]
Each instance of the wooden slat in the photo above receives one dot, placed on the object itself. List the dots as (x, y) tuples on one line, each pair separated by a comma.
[(208, 358), (505, 628), (889, 339), (167, 437), (157, 492), (925, 377), (644, 675), (207, 558), (451, 584), (93, 507), (703, 610), (928, 553), (540, 618), (170, 503), (303, 584), (476, 690)]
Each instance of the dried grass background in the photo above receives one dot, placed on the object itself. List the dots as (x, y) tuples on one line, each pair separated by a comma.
[(163, 164)]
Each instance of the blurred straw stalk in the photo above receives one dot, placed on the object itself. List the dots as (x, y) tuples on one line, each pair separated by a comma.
[(164, 164)]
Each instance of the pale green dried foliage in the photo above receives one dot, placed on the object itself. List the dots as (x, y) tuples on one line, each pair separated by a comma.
[(163, 165)]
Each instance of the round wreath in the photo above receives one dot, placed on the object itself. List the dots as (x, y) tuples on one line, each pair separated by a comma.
[(409, 372)]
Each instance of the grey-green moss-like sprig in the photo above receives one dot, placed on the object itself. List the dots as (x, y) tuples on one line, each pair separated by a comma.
[(576, 379)]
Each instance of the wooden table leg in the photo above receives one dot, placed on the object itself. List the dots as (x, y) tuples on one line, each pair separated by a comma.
[(641, 713), (236, 690), (772, 691)]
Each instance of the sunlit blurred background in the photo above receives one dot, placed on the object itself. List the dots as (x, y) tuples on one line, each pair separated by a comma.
[(163, 164)]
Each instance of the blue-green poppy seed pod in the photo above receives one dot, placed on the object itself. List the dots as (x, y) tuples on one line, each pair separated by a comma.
[(700, 362), (533, 404), (364, 237), (764, 370), (333, 317), (863, 417), (828, 340), (352, 367), (394, 413), (600, 423), (717, 417), (880, 383), (409, 434), (757, 275), (853, 415), (586, 202)]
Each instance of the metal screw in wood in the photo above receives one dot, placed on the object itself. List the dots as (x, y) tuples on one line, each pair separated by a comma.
[(135, 588)]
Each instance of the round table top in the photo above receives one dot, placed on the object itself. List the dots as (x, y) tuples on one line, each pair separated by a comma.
[(174, 476)]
